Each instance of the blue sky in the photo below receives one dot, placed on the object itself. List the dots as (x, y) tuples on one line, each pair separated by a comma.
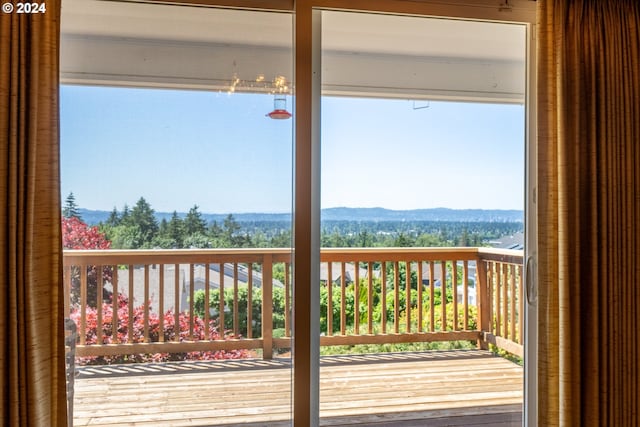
[(219, 151)]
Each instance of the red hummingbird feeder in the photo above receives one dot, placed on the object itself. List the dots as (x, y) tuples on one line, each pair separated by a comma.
[(279, 108)]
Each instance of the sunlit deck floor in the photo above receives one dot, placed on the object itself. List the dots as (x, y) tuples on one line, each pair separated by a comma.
[(444, 388)]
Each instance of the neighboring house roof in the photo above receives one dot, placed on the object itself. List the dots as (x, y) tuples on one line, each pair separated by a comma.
[(514, 241), (336, 272), (437, 272)]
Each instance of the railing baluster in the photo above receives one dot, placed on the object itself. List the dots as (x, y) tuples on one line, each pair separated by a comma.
[(407, 294), (235, 300), (432, 292), (99, 286), (83, 303), (192, 286), (267, 307), (420, 304), (443, 294), (146, 303), (454, 291), (383, 297), (343, 299), (176, 302), (329, 299), (465, 293), (161, 271), (492, 291), (512, 300), (115, 304), (396, 297), (221, 301), (496, 282), (356, 304), (207, 294), (250, 300), (130, 305), (370, 298), (483, 300), (505, 301), (287, 300)]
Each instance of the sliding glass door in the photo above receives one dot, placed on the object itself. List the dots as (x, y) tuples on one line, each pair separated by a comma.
[(177, 153), (422, 233)]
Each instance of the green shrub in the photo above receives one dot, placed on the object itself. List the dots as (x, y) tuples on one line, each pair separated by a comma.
[(279, 307), (437, 315), (256, 308), (336, 301)]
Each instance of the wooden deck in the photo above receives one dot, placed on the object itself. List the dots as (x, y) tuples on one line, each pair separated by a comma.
[(452, 388)]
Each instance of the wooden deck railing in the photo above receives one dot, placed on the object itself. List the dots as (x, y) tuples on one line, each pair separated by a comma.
[(156, 282)]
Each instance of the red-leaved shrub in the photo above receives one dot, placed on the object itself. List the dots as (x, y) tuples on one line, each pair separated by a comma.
[(169, 332), (78, 235)]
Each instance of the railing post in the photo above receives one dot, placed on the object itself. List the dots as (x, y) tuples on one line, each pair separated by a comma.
[(483, 301), (267, 307)]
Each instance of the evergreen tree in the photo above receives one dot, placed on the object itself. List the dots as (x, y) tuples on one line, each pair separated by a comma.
[(70, 209), (114, 218), (215, 231), (364, 239), (126, 215), (231, 227), (143, 218), (194, 223), (231, 234), (163, 228), (403, 241), (175, 230)]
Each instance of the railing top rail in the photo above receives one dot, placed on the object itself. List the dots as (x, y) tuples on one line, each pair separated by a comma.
[(511, 256), (176, 256), (398, 254), (153, 252), (173, 256)]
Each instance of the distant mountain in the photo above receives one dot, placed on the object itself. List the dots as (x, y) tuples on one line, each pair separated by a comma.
[(93, 217)]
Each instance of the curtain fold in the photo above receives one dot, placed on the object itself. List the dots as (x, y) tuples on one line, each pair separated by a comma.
[(31, 309), (589, 212)]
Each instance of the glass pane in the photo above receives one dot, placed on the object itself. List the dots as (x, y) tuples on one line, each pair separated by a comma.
[(423, 196), (176, 138)]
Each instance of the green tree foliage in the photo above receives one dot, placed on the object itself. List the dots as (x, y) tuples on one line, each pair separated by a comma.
[(403, 241), (126, 236), (114, 218), (70, 208), (171, 233), (133, 229), (144, 220), (282, 239), (193, 222)]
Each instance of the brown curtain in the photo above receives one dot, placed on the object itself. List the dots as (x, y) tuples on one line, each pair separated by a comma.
[(589, 212), (31, 315)]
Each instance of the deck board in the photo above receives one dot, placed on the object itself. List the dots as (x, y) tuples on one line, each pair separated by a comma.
[(453, 388)]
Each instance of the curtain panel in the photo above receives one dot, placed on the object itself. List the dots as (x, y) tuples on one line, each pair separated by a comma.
[(589, 212), (31, 315)]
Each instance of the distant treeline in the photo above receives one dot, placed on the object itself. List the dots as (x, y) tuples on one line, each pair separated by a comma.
[(138, 227), (414, 233)]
